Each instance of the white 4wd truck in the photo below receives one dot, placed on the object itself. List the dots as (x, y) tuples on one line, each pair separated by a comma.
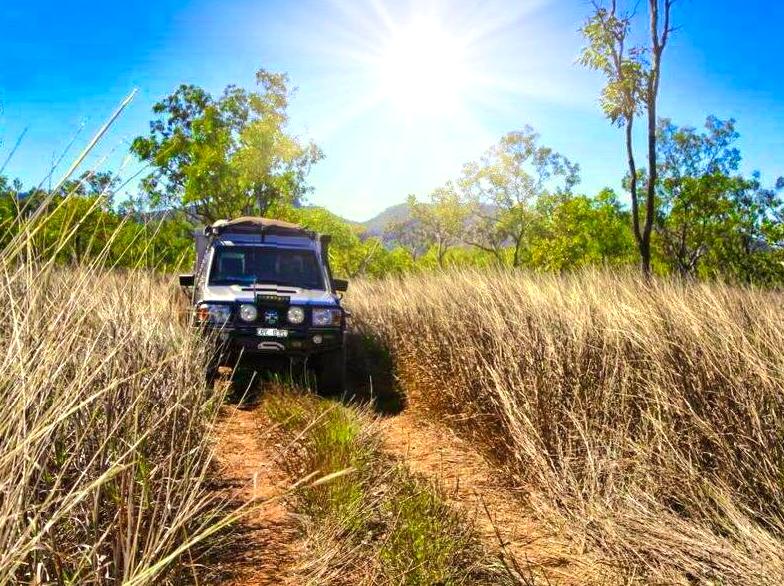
[(264, 291)]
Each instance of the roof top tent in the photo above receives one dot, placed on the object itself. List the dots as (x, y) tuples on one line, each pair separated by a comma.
[(265, 227), (258, 230)]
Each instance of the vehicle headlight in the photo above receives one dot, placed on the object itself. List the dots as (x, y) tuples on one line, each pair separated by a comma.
[(248, 312), (296, 315), (214, 313), (326, 317)]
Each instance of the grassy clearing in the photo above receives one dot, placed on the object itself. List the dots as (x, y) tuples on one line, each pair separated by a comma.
[(647, 419), (376, 523)]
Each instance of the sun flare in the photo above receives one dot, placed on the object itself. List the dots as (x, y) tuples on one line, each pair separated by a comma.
[(422, 69)]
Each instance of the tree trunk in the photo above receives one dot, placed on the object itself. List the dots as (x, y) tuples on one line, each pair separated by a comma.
[(516, 259), (657, 49), (441, 253), (653, 177), (633, 179)]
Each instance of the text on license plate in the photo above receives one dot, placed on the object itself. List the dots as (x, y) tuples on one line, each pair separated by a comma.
[(272, 333)]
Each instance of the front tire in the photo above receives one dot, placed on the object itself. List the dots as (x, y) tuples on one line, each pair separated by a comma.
[(211, 372), (211, 375), (331, 372)]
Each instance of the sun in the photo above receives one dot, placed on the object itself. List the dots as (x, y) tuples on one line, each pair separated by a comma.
[(421, 69)]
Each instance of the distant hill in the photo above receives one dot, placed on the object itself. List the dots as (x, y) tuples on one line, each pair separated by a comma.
[(375, 226)]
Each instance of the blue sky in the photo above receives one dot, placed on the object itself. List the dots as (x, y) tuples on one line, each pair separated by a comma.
[(65, 66)]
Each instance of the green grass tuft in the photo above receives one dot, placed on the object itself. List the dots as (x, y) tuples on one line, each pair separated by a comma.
[(378, 523)]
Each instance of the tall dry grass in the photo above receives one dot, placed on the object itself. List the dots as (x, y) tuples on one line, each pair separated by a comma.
[(103, 421), (646, 419)]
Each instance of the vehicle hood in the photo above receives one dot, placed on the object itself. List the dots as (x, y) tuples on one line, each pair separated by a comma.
[(242, 293)]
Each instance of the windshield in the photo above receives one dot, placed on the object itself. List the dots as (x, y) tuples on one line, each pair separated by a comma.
[(246, 265)]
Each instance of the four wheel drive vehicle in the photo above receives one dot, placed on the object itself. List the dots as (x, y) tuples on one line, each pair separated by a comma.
[(264, 291)]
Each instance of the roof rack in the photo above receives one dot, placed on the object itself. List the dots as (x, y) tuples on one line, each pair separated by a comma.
[(258, 225)]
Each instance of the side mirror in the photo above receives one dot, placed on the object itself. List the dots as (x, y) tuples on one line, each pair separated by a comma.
[(186, 280), (340, 285)]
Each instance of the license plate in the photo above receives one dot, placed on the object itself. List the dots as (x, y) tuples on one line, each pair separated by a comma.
[(272, 333)]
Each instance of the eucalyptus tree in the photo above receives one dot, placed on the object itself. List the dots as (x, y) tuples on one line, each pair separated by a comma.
[(576, 230), (698, 184), (503, 186), (633, 76), (712, 220), (439, 224)]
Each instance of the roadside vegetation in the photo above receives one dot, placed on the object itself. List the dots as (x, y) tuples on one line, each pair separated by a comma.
[(103, 423), (643, 417), (370, 521)]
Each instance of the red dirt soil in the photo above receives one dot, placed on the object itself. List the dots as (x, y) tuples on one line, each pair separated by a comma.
[(267, 543), (527, 547), (268, 537)]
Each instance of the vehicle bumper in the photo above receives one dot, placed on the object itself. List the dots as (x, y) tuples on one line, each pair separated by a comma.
[(233, 345)]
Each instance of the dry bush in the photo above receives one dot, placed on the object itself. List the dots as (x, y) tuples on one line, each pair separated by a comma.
[(646, 418), (102, 425)]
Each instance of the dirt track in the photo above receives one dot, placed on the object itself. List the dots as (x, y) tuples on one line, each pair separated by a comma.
[(267, 544), (470, 484)]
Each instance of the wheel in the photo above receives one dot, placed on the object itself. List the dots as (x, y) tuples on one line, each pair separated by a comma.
[(210, 376), (211, 373), (331, 372)]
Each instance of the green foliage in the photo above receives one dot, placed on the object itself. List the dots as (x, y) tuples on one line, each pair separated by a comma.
[(409, 233), (428, 540), (440, 223), (351, 252), (508, 180), (227, 156), (165, 243), (624, 67), (332, 444), (712, 221), (78, 224), (577, 231), (393, 526), (9, 210), (460, 256)]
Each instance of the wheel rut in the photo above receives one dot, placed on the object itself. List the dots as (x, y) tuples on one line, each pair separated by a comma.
[(531, 551), (265, 543)]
